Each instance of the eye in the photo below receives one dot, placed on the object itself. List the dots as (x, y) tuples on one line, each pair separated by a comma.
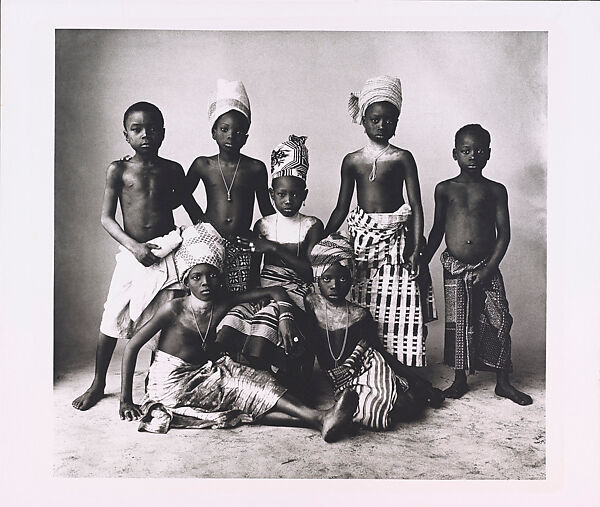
[(326, 279), (224, 129), (343, 279)]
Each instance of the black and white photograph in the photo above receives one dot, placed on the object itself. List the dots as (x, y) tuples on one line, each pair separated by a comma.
[(284, 241)]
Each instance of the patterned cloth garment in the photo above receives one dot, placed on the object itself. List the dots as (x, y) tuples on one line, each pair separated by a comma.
[(399, 306), (477, 328), (219, 394)]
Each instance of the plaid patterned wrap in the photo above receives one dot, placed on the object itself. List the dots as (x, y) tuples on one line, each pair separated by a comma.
[(477, 331), (377, 385), (290, 158), (377, 89), (399, 306), (220, 394), (334, 248)]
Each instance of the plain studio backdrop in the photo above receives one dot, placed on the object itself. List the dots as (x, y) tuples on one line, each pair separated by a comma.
[(298, 83)]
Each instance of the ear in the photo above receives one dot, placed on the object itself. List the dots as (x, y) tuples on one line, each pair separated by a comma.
[(454, 154), (271, 193), (489, 153), (305, 194), (125, 135), (213, 131)]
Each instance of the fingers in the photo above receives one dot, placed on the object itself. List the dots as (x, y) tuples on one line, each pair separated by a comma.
[(414, 272), (245, 243), (152, 245)]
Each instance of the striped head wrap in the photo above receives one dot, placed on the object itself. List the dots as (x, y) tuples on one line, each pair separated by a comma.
[(230, 96), (201, 244), (334, 248), (377, 89), (290, 158)]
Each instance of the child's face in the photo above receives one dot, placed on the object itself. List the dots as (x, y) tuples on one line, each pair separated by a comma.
[(472, 152), (288, 194), (230, 131), (144, 132), (335, 283), (380, 121), (204, 281)]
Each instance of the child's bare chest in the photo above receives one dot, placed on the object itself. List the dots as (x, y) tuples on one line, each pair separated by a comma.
[(147, 181), (471, 199)]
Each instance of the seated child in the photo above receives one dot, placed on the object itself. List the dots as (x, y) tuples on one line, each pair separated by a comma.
[(387, 231), (147, 187), (231, 180), (343, 336), (249, 332), (191, 385), (471, 212)]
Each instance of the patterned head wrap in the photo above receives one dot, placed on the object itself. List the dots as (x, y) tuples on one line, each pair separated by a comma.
[(334, 248), (201, 245), (290, 158), (230, 96), (377, 89)]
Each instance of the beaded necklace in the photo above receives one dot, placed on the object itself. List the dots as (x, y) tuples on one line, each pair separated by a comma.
[(336, 359)]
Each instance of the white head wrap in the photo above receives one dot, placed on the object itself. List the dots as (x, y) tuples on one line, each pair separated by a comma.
[(230, 96), (376, 89), (201, 244), (334, 248)]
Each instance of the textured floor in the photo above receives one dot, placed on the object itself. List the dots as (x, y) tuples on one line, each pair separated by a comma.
[(480, 436)]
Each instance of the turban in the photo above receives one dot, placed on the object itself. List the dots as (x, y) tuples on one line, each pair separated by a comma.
[(334, 248), (377, 89), (290, 158), (201, 244), (230, 96)]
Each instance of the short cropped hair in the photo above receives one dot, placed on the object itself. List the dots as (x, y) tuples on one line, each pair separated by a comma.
[(473, 128), (145, 107)]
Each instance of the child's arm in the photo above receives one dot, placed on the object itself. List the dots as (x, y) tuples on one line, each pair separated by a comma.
[(127, 409), (344, 198), (483, 275), (141, 251), (183, 196), (262, 192), (413, 191), (192, 178), (439, 225)]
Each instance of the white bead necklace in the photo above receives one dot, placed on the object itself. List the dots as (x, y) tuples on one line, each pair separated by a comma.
[(228, 188), (373, 173), (336, 359)]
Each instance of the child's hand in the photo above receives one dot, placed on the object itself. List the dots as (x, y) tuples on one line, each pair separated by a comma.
[(129, 411), (289, 335), (413, 266), (259, 244), (482, 276), (143, 253)]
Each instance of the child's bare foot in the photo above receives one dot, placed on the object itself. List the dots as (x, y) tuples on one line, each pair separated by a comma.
[(509, 391), (435, 397), (339, 417), (457, 390), (88, 399)]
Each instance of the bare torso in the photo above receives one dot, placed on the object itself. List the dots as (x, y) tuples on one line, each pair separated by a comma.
[(384, 193), (470, 220), (229, 217), (146, 193)]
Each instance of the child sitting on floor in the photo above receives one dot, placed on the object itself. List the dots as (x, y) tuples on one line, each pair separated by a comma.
[(249, 332), (343, 336), (387, 232), (471, 212), (191, 385)]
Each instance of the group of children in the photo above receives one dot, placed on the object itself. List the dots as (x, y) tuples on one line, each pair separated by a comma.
[(239, 316)]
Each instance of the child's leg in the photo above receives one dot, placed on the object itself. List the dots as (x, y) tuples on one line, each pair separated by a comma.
[(505, 389), (331, 423), (104, 351), (459, 387)]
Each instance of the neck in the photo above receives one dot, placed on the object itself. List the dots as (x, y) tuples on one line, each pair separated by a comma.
[(145, 157), (199, 304), (470, 176), (229, 156), (376, 146), (293, 218), (335, 304)]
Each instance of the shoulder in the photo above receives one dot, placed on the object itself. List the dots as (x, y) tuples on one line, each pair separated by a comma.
[(115, 169), (171, 309), (443, 186), (200, 163), (350, 161), (171, 165), (310, 221), (254, 164), (261, 224), (401, 155)]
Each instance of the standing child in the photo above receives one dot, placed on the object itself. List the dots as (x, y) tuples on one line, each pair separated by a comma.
[(471, 212), (148, 188), (387, 232), (283, 242), (190, 384), (231, 179), (343, 336)]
